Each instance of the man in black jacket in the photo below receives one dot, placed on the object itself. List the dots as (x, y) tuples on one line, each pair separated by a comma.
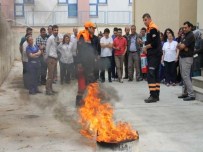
[(153, 50), (186, 47)]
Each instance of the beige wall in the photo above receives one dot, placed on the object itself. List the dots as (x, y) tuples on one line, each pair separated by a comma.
[(188, 11), (6, 49), (200, 13), (166, 13)]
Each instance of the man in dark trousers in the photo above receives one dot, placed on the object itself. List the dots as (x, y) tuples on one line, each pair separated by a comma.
[(97, 50), (186, 47), (127, 36), (24, 57), (153, 50), (113, 63), (86, 59)]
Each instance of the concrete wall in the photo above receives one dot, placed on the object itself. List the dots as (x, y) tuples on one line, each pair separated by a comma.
[(200, 13), (6, 49), (166, 14), (188, 11)]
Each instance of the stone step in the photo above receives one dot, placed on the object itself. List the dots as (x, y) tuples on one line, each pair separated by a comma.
[(198, 93), (202, 72), (197, 81)]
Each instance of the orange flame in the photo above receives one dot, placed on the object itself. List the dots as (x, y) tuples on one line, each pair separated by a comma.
[(97, 122)]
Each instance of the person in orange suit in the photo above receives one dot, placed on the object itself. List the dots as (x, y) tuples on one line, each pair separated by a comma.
[(153, 50)]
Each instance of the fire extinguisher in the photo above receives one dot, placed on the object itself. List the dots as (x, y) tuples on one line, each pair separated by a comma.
[(81, 80), (144, 64)]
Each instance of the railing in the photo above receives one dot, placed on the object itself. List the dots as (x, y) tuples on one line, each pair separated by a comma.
[(44, 18)]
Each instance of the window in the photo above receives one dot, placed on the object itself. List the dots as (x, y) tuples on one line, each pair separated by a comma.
[(130, 2), (19, 1), (19, 10), (93, 8), (72, 8), (62, 1), (102, 1), (28, 1)]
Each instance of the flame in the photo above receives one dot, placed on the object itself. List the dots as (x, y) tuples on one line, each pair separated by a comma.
[(96, 119)]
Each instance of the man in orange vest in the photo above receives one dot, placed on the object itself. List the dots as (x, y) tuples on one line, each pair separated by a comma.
[(86, 58), (153, 50)]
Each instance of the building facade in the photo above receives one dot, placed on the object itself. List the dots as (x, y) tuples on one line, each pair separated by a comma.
[(69, 12), (165, 13)]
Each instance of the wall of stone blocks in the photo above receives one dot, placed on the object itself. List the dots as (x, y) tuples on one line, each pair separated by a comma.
[(7, 54)]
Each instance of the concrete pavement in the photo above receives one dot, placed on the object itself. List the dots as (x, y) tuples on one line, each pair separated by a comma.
[(49, 123)]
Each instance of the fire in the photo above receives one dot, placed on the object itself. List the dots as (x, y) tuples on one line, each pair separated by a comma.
[(97, 122)]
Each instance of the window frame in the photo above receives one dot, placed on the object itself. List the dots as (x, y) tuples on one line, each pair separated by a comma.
[(23, 11), (27, 3), (103, 2), (62, 3), (96, 4), (69, 4), (19, 2)]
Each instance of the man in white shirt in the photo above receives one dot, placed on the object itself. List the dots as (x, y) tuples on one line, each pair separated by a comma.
[(51, 56), (25, 68), (74, 41), (106, 55)]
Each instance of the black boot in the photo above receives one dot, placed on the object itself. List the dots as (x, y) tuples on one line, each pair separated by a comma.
[(79, 101), (151, 99)]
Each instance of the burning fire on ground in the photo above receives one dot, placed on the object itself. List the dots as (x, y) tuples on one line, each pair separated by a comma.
[(97, 122)]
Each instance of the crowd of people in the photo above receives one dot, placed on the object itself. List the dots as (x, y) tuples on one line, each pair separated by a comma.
[(125, 54)]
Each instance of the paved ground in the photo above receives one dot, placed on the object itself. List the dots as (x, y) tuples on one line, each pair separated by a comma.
[(49, 124)]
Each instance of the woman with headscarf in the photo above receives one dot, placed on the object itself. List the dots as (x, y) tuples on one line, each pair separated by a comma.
[(198, 53)]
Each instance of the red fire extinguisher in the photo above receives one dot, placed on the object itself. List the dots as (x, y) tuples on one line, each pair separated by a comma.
[(144, 64), (81, 80)]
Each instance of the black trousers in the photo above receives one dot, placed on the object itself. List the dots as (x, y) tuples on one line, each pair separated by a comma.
[(152, 76), (170, 71), (65, 71), (126, 64), (178, 76), (113, 66), (26, 80), (43, 73)]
